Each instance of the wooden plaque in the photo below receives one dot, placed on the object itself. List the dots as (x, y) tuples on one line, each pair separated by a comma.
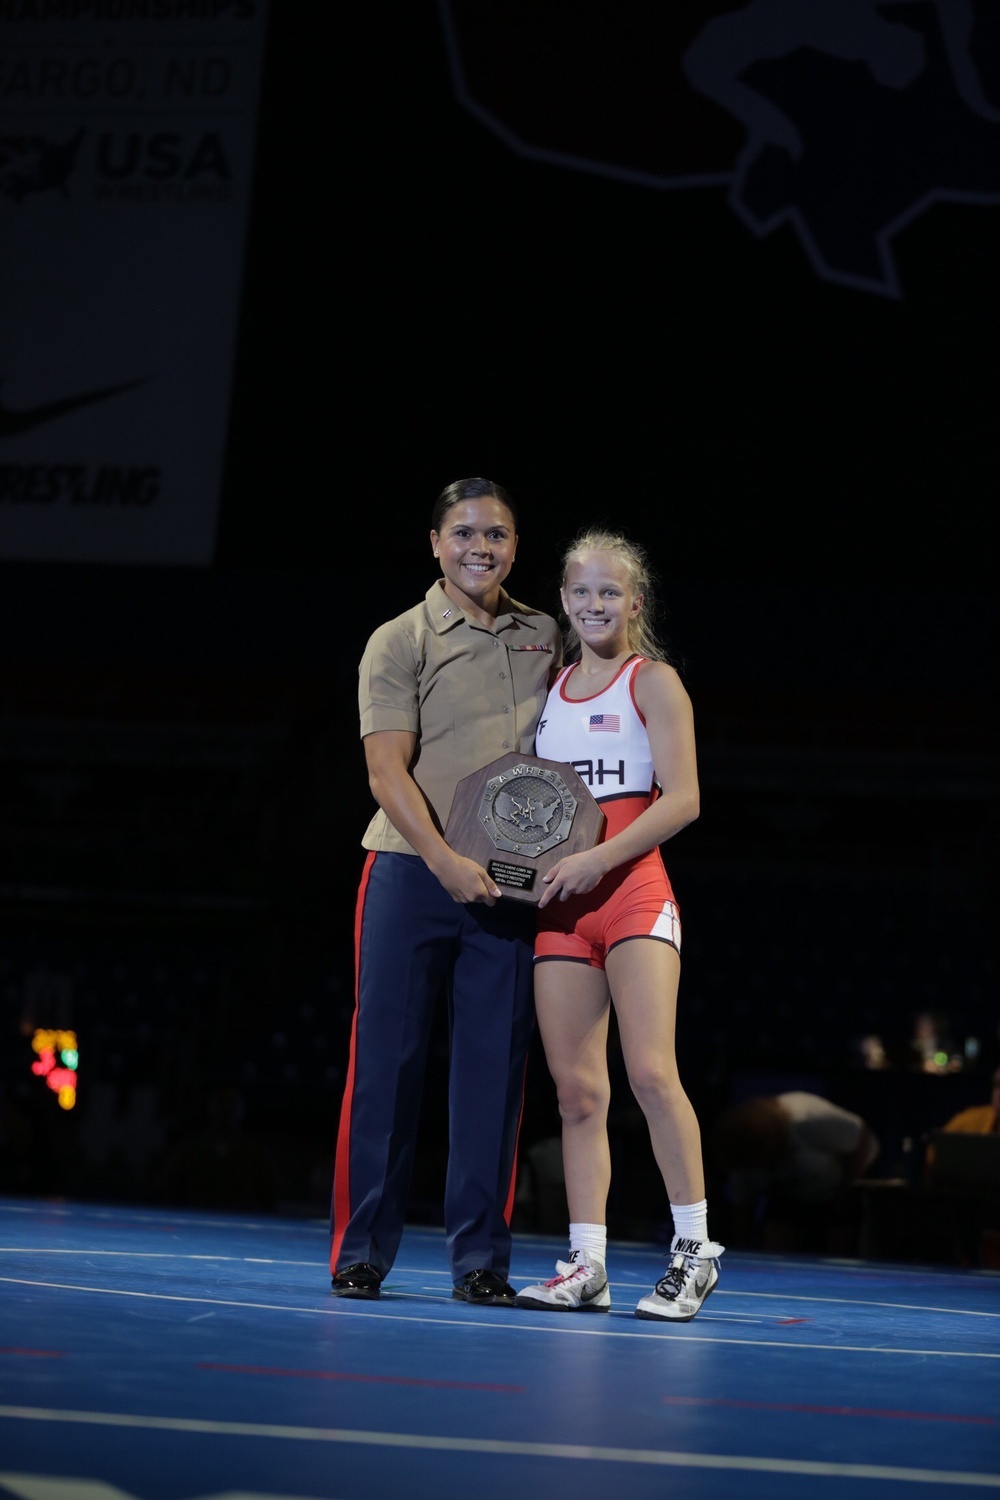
[(519, 816)]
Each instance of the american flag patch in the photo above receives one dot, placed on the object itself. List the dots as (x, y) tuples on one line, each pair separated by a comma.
[(610, 723)]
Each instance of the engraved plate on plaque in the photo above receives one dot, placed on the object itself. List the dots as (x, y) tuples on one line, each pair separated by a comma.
[(518, 816)]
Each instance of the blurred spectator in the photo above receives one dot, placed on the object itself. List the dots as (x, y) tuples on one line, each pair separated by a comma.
[(980, 1119), (873, 1054), (972, 1214), (787, 1162), (932, 1049)]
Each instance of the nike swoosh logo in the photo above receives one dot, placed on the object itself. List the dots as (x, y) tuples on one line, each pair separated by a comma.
[(700, 1283), (594, 1292), (13, 423)]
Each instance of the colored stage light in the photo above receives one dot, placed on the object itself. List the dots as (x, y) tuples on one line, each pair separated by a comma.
[(61, 1080)]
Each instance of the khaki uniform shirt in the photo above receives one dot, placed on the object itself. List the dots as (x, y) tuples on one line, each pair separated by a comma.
[(469, 693)]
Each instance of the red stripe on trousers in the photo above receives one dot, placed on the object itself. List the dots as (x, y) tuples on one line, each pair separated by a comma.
[(342, 1160), (508, 1208)]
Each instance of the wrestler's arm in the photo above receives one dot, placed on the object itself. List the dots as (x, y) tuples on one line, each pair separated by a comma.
[(666, 708)]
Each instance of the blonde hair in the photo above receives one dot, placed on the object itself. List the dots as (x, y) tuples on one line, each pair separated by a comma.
[(642, 636)]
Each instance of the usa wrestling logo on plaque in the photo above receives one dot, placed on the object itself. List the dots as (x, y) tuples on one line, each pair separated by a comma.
[(520, 815)]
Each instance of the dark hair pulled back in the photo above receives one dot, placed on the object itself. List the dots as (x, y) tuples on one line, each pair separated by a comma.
[(469, 489)]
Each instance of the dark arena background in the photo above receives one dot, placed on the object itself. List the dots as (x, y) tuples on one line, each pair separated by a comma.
[(720, 275)]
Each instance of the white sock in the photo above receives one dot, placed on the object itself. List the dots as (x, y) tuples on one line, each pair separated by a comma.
[(690, 1220), (593, 1238)]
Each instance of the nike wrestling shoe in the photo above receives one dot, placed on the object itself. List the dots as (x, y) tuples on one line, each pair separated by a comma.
[(691, 1276), (579, 1285)]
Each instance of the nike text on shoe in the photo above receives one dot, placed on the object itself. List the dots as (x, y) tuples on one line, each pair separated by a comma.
[(691, 1276), (359, 1280), (579, 1285)]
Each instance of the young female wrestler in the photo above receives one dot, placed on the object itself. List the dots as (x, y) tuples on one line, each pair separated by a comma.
[(609, 929), (445, 688)]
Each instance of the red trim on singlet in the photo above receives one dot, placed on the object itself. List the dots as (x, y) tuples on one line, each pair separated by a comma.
[(631, 693), (591, 696), (342, 1159)]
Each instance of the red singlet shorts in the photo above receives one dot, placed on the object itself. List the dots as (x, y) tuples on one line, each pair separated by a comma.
[(584, 929)]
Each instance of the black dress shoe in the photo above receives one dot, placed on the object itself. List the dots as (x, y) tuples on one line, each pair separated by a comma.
[(486, 1288), (359, 1280)]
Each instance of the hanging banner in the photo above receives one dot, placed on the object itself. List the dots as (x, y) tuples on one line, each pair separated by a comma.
[(127, 142)]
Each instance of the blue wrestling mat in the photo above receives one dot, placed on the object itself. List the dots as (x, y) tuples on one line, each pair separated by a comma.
[(158, 1355)]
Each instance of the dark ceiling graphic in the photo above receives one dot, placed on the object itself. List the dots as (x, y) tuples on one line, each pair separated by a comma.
[(846, 119)]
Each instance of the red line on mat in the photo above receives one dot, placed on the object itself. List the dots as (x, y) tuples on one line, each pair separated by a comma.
[(36, 1353)]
